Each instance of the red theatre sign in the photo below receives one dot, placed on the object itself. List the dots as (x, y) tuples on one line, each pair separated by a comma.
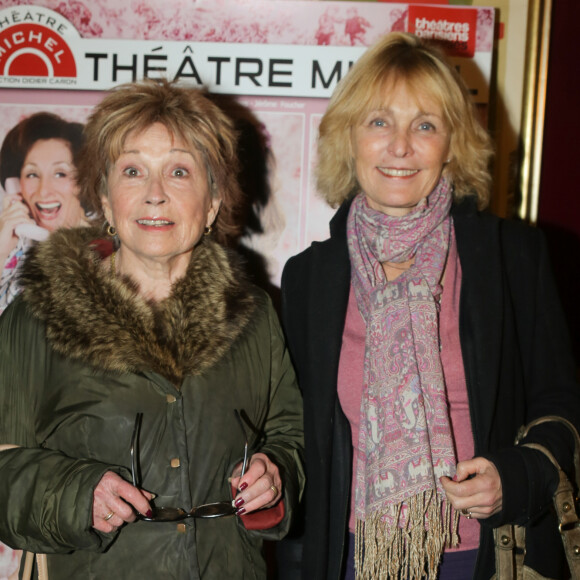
[(35, 50), (33, 43)]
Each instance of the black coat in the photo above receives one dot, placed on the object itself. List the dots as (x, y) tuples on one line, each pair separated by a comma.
[(518, 366)]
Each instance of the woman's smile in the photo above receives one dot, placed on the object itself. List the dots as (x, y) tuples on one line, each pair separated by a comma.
[(155, 223), (392, 172)]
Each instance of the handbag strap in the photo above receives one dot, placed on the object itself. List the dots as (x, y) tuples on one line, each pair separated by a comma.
[(510, 542), (28, 563), (42, 565), (555, 418)]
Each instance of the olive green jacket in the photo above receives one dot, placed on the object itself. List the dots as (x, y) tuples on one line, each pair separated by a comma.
[(81, 353)]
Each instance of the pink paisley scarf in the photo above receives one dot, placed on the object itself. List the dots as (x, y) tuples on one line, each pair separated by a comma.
[(405, 442)]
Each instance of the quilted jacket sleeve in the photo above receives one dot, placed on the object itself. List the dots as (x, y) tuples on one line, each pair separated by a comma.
[(284, 439), (45, 496)]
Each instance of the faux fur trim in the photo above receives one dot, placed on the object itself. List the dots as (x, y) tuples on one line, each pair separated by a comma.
[(95, 318)]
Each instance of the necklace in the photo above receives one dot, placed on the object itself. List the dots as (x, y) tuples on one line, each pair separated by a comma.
[(112, 263)]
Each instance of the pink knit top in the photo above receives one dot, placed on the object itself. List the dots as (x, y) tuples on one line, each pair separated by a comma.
[(350, 379)]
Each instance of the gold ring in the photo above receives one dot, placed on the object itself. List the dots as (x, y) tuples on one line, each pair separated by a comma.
[(109, 516), (274, 489), (467, 513)]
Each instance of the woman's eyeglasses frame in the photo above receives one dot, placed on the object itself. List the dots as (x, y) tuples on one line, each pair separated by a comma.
[(218, 509)]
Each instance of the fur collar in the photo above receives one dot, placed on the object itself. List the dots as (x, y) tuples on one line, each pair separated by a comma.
[(100, 320)]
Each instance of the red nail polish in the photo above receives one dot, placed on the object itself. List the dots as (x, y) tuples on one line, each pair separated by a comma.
[(241, 512), (243, 486), (148, 513), (239, 502)]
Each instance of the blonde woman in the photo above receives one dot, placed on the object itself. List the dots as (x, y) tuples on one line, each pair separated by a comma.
[(424, 334)]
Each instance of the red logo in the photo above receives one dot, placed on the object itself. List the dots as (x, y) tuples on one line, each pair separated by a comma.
[(452, 28), (35, 50)]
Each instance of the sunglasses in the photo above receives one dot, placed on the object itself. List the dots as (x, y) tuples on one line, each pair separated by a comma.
[(217, 509)]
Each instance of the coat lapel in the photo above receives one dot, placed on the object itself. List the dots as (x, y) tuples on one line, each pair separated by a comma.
[(330, 284), (318, 315), (481, 316)]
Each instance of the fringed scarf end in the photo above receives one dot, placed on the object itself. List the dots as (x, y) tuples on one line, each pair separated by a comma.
[(386, 550)]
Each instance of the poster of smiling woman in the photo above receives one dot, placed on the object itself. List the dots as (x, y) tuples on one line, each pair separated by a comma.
[(40, 193)]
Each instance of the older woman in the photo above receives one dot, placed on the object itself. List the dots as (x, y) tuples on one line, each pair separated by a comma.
[(424, 334), (133, 370), (38, 173)]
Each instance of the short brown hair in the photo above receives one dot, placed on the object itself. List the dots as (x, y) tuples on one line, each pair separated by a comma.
[(400, 56), (187, 113), (37, 127)]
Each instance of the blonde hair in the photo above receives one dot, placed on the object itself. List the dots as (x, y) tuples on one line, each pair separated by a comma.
[(187, 113), (396, 57)]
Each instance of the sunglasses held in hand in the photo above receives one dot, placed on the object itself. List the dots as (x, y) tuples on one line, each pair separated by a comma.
[(217, 509)]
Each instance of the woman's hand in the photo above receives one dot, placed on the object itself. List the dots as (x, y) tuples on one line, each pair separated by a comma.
[(113, 495), (13, 213), (475, 491), (261, 486)]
